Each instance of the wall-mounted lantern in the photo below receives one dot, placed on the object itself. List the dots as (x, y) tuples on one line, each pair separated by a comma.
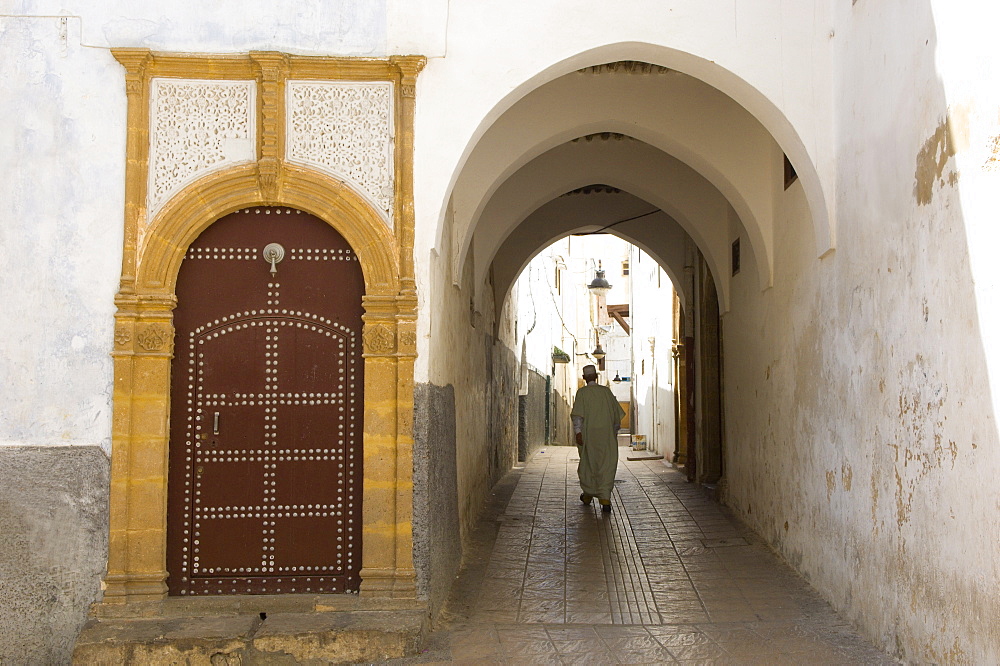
[(598, 352)]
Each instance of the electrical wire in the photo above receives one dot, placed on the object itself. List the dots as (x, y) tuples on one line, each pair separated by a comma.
[(534, 307), (552, 293), (614, 224)]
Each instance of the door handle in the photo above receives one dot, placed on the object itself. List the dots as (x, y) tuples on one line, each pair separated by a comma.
[(215, 424)]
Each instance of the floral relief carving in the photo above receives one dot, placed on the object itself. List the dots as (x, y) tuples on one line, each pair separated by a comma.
[(133, 85), (153, 337), (345, 129), (408, 339), (379, 339), (196, 127), (122, 336)]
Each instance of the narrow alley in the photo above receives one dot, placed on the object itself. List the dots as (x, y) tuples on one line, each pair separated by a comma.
[(666, 577)]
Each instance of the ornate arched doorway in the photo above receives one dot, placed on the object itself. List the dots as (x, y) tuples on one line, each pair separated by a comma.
[(258, 164), (267, 387)]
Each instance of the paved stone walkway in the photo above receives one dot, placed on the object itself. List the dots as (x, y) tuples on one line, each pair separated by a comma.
[(667, 577)]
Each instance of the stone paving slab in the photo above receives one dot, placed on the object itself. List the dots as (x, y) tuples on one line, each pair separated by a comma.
[(667, 577)]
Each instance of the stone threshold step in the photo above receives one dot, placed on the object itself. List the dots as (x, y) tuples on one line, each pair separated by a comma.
[(247, 638), (644, 456)]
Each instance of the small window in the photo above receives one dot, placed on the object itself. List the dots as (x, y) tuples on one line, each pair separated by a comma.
[(558, 281), (736, 256), (625, 267)]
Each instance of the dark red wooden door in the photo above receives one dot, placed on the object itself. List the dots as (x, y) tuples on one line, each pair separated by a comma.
[(266, 410)]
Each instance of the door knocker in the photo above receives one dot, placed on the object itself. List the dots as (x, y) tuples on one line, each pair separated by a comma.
[(273, 254)]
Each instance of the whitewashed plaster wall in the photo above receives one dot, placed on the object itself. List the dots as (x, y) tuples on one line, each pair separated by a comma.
[(542, 311), (542, 307), (340, 27), (652, 359), (62, 146), (538, 317), (860, 413), (466, 349)]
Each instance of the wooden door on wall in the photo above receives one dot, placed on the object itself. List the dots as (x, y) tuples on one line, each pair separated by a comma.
[(266, 410)]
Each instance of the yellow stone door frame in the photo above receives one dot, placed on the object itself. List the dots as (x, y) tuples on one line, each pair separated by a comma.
[(152, 254)]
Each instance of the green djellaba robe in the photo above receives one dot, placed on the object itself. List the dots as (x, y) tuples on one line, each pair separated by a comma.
[(599, 454)]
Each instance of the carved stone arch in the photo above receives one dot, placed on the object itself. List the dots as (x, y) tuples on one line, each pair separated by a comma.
[(196, 207)]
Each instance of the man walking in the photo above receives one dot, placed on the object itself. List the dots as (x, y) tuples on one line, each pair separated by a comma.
[(596, 419)]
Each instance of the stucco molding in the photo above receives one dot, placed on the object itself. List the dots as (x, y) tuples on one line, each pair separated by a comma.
[(345, 129), (143, 336), (197, 126)]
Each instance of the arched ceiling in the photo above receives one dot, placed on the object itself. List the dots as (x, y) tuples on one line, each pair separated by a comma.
[(766, 104), (698, 156), (691, 206), (588, 210)]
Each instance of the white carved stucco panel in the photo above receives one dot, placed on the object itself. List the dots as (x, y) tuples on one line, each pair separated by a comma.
[(196, 127), (346, 130)]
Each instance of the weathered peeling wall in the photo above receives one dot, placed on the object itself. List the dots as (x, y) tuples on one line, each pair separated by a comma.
[(470, 351), (501, 410), (860, 417), (561, 421), (437, 548), (531, 434), (60, 229), (53, 547)]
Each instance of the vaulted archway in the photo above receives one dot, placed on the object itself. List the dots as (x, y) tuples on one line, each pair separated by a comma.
[(659, 137), (692, 111)]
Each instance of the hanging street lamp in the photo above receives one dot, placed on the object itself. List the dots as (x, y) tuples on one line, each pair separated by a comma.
[(599, 285)]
